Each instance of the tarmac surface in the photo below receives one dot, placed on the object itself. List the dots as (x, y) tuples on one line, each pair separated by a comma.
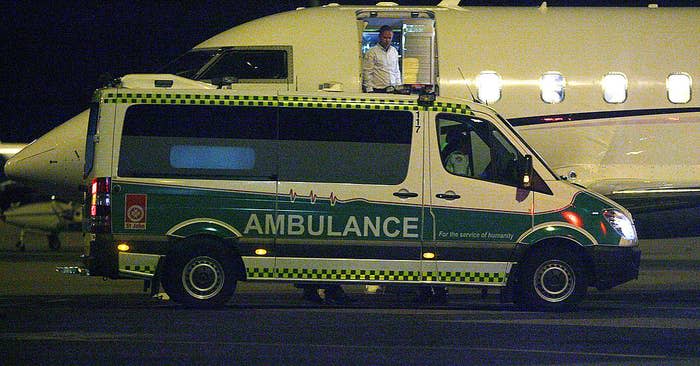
[(47, 318)]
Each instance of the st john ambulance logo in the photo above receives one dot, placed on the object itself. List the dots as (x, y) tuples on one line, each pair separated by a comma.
[(135, 212)]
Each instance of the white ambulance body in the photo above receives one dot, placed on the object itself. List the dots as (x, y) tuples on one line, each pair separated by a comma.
[(198, 189)]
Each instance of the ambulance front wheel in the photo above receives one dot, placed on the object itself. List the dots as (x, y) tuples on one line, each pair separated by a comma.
[(552, 279), (202, 274)]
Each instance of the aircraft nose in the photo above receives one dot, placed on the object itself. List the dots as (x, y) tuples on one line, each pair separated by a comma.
[(27, 164), (54, 162)]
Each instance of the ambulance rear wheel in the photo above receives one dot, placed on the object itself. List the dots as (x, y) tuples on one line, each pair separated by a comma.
[(552, 279), (202, 275)]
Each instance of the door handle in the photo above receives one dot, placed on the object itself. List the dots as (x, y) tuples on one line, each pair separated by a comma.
[(405, 194), (449, 195)]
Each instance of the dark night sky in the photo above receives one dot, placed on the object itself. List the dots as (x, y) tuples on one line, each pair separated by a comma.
[(53, 53)]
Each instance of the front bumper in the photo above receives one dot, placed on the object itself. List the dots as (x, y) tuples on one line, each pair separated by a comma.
[(614, 265)]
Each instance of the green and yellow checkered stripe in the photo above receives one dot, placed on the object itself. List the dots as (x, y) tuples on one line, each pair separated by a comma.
[(281, 101), (451, 108), (140, 269), (480, 277), (347, 103), (191, 99), (374, 275), (261, 272)]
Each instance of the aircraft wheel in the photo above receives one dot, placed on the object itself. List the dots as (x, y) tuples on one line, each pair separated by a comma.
[(552, 279), (54, 242), (19, 245), (201, 275)]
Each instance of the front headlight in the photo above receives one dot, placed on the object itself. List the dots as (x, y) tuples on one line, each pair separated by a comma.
[(622, 224)]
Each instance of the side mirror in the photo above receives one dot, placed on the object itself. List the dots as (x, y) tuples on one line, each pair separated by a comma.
[(526, 171)]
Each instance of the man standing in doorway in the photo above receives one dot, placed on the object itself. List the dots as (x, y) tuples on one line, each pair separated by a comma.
[(380, 68)]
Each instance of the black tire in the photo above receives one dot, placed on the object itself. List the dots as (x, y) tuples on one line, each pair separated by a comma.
[(551, 279), (201, 274)]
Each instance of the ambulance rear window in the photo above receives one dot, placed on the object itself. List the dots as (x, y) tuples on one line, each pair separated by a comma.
[(193, 141)]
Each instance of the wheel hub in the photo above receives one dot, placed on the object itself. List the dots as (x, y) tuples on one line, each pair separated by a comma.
[(203, 277), (554, 281)]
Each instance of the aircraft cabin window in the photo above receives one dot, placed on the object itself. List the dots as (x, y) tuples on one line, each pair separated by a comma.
[(552, 87), (249, 65), (614, 87), (268, 64), (679, 88), (489, 85), (190, 64)]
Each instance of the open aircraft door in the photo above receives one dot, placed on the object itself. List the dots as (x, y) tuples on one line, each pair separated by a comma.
[(414, 39), (418, 66)]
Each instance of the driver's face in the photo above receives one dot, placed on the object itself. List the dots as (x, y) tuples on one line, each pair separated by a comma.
[(385, 38)]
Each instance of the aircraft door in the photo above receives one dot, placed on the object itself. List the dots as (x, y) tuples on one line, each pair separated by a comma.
[(477, 210), (414, 39), (418, 53)]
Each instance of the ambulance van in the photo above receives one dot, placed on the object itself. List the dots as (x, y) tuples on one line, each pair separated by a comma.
[(196, 189)]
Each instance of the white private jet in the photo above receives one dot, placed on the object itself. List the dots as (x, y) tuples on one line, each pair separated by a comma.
[(29, 210), (604, 94)]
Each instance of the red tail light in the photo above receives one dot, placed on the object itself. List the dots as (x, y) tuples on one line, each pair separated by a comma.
[(100, 206)]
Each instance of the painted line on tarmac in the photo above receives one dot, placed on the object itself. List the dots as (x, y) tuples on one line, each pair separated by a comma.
[(660, 323), (147, 338)]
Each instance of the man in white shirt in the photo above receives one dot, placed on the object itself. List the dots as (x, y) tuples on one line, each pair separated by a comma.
[(380, 68)]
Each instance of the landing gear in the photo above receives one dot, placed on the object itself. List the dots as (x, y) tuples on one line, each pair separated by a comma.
[(20, 243), (54, 241)]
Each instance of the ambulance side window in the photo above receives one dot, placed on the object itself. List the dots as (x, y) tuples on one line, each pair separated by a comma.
[(344, 145), (473, 147), (199, 141)]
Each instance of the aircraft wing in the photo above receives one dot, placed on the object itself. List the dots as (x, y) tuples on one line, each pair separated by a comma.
[(644, 200)]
